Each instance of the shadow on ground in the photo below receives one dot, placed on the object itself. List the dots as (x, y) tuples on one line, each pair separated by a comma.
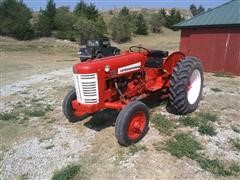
[(102, 120)]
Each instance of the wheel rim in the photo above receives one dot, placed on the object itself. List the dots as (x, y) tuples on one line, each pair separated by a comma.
[(194, 86), (136, 126)]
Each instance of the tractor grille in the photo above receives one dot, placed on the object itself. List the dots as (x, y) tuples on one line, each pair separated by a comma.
[(86, 86)]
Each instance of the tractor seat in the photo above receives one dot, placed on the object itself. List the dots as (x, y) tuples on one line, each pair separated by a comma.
[(158, 54), (154, 62), (155, 58)]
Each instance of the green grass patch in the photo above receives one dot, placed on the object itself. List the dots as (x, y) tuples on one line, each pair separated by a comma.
[(189, 121), (67, 173), (207, 116), (183, 145), (216, 89), (162, 124), (236, 144), (214, 166), (220, 74), (133, 149), (235, 169), (207, 130), (236, 129), (8, 116), (35, 113)]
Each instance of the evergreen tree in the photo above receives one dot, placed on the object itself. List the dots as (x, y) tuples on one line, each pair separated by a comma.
[(64, 21), (46, 22), (140, 25), (15, 19), (157, 21), (122, 26), (89, 11), (193, 9), (174, 18)]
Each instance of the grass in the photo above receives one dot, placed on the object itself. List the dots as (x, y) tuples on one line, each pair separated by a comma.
[(214, 166), (223, 75), (202, 120), (162, 124), (8, 116), (207, 116), (189, 121), (120, 156), (67, 173), (216, 89), (236, 144), (207, 130), (236, 129), (183, 145), (35, 113), (136, 148)]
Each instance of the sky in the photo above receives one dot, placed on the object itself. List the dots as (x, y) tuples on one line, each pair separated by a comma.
[(109, 4)]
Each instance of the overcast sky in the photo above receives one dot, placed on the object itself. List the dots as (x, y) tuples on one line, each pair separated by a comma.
[(108, 4)]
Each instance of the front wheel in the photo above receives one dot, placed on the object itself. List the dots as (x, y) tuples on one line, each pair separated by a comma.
[(67, 109), (132, 123), (186, 84)]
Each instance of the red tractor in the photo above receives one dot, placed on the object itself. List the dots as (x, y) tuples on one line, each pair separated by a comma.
[(121, 82)]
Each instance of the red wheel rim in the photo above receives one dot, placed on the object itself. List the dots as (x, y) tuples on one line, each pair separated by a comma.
[(136, 125)]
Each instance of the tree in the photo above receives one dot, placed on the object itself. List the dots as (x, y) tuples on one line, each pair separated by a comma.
[(122, 26), (15, 19), (157, 21), (89, 11), (195, 11), (174, 18), (85, 29), (64, 21), (140, 25), (46, 22), (201, 9)]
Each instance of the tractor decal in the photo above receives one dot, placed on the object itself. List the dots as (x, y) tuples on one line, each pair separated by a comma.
[(129, 68)]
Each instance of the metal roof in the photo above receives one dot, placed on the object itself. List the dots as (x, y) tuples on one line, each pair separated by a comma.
[(227, 14)]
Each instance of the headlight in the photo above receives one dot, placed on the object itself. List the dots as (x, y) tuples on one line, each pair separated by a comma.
[(107, 68)]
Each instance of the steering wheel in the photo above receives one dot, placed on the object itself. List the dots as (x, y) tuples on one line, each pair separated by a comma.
[(139, 48)]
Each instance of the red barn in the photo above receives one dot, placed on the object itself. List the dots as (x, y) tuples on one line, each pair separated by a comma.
[(214, 37)]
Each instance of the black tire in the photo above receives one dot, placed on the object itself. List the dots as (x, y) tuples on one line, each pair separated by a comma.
[(178, 103), (116, 52), (67, 107), (99, 55), (124, 119)]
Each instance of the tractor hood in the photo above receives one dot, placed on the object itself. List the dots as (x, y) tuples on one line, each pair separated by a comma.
[(118, 65)]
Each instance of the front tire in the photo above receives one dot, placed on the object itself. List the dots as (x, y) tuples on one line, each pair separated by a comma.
[(67, 107), (132, 123), (186, 84)]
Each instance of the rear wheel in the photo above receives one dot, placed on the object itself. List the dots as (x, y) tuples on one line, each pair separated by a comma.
[(186, 84), (132, 123), (68, 111), (99, 55)]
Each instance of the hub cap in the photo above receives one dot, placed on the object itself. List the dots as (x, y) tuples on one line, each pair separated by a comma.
[(194, 86), (136, 126)]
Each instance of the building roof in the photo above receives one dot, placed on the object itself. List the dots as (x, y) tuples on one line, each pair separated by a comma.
[(227, 14)]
